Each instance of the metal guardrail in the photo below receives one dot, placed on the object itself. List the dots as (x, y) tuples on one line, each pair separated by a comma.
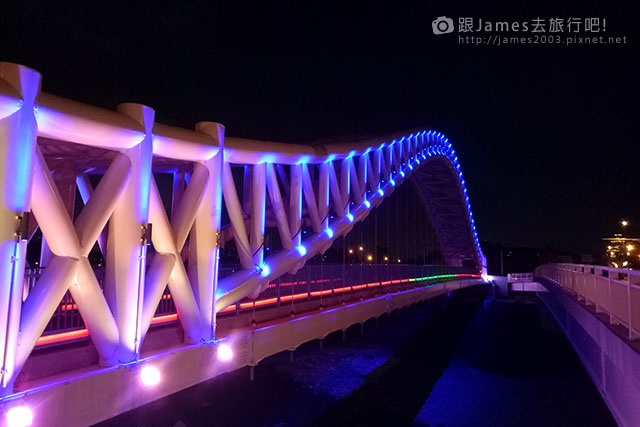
[(311, 283), (614, 291), (315, 282), (519, 277), (67, 318)]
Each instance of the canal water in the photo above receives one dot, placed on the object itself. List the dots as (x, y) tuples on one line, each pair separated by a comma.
[(464, 359)]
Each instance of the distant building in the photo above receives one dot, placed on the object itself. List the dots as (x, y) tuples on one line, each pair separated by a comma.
[(622, 252)]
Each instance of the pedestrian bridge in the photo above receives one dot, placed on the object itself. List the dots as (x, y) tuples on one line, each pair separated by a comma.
[(138, 259)]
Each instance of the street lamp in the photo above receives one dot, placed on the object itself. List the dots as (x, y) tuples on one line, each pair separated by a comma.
[(369, 258), (624, 222)]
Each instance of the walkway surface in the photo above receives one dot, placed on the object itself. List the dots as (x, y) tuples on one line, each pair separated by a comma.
[(464, 360)]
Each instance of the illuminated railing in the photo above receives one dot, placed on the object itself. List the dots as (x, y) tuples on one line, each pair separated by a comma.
[(520, 277), (350, 282), (614, 291), (313, 283)]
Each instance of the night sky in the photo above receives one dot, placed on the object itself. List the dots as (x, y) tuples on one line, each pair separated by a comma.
[(547, 135)]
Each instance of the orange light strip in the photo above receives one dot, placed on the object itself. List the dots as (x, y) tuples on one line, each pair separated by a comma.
[(68, 307), (292, 297), (164, 319), (63, 336), (266, 301), (84, 333), (318, 293)]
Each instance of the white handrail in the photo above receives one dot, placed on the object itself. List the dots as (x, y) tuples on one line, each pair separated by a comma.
[(614, 291)]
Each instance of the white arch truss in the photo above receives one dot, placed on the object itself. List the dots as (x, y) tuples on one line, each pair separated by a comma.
[(327, 187)]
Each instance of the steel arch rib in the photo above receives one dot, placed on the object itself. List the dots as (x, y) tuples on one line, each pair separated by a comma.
[(420, 152)]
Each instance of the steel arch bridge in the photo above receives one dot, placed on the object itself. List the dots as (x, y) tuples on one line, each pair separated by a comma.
[(51, 147)]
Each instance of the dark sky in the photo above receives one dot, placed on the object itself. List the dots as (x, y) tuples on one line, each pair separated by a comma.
[(547, 135)]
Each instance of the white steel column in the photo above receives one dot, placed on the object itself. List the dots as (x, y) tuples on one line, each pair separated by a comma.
[(336, 194), (126, 246), (278, 207), (310, 199), (86, 191), (323, 194), (345, 183), (70, 246), (18, 132), (236, 216), (363, 172), (258, 206), (205, 236), (372, 175), (356, 191), (177, 190), (168, 245), (295, 205)]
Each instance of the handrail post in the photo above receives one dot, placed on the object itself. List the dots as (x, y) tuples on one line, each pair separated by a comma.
[(629, 308)]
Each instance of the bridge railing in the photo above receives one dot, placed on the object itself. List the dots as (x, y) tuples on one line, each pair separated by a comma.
[(350, 281), (312, 283), (520, 277), (614, 291)]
